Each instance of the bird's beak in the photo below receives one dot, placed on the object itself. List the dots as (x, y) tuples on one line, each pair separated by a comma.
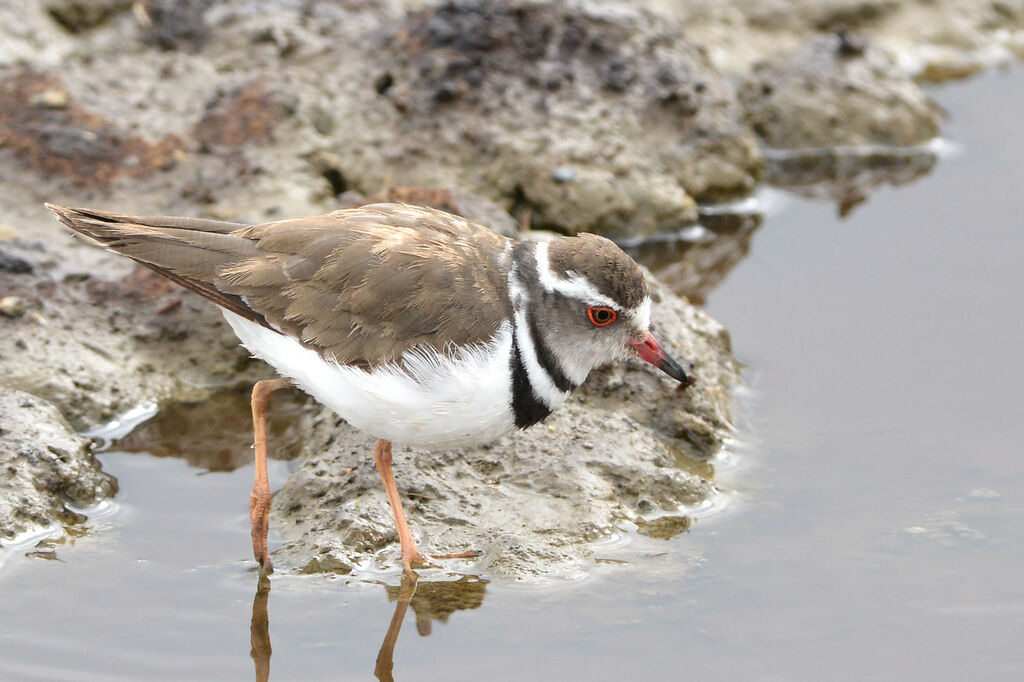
[(650, 350)]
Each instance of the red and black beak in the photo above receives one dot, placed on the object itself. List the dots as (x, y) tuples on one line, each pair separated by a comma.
[(650, 350)]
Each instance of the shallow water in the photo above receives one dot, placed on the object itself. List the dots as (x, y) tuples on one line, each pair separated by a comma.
[(873, 530)]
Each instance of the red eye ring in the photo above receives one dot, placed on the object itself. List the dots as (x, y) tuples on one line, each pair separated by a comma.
[(601, 316)]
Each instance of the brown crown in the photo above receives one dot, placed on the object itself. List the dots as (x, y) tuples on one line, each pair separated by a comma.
[(604, 264)]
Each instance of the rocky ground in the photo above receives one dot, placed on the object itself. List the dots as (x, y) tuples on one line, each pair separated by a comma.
[(622, 118)]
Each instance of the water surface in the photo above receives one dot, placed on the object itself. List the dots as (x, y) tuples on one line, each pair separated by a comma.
[(875, 524)]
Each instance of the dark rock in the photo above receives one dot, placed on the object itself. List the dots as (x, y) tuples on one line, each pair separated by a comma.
[(69, 141), (837, 90), (14, 264), (77, 16), (623, 97), (245, 115), (176, 24)]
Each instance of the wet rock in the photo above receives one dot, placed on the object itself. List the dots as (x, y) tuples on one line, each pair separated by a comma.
[(665, 527), (513, 91), (837, 91), (608, 455), (47, 471)]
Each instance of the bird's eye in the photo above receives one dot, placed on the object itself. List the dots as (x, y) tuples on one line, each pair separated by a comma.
[(601, 316)]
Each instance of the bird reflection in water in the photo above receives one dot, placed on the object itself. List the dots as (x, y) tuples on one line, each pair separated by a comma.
[(695, 260), (259, 629), (430, 601)]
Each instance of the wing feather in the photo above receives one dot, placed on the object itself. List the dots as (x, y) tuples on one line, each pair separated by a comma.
[(361, 286)]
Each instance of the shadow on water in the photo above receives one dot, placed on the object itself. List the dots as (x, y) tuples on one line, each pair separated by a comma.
[(259, 630), (216, 434), (847, 177), (694, 261), (430, 601)]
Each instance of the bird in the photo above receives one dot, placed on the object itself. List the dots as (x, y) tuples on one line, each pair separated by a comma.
[(414, 325)]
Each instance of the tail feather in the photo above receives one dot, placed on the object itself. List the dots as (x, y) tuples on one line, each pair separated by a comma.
[(78, 218), (190, 251)]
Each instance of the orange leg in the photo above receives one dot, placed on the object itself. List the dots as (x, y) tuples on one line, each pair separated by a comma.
[(410, 555), (382, 457), (259, 500)]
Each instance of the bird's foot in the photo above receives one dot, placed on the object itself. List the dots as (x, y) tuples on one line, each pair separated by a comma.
[(467, 554), (429, 561), (260, 553)]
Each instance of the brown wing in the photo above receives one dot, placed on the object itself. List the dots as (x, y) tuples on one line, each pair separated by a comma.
[(185, 250), (360, 285)]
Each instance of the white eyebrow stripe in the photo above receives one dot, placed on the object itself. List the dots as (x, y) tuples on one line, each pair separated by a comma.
[(640, 316), (573, 286)]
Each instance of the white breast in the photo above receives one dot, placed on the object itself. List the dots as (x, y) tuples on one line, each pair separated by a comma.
[(434, 402)]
